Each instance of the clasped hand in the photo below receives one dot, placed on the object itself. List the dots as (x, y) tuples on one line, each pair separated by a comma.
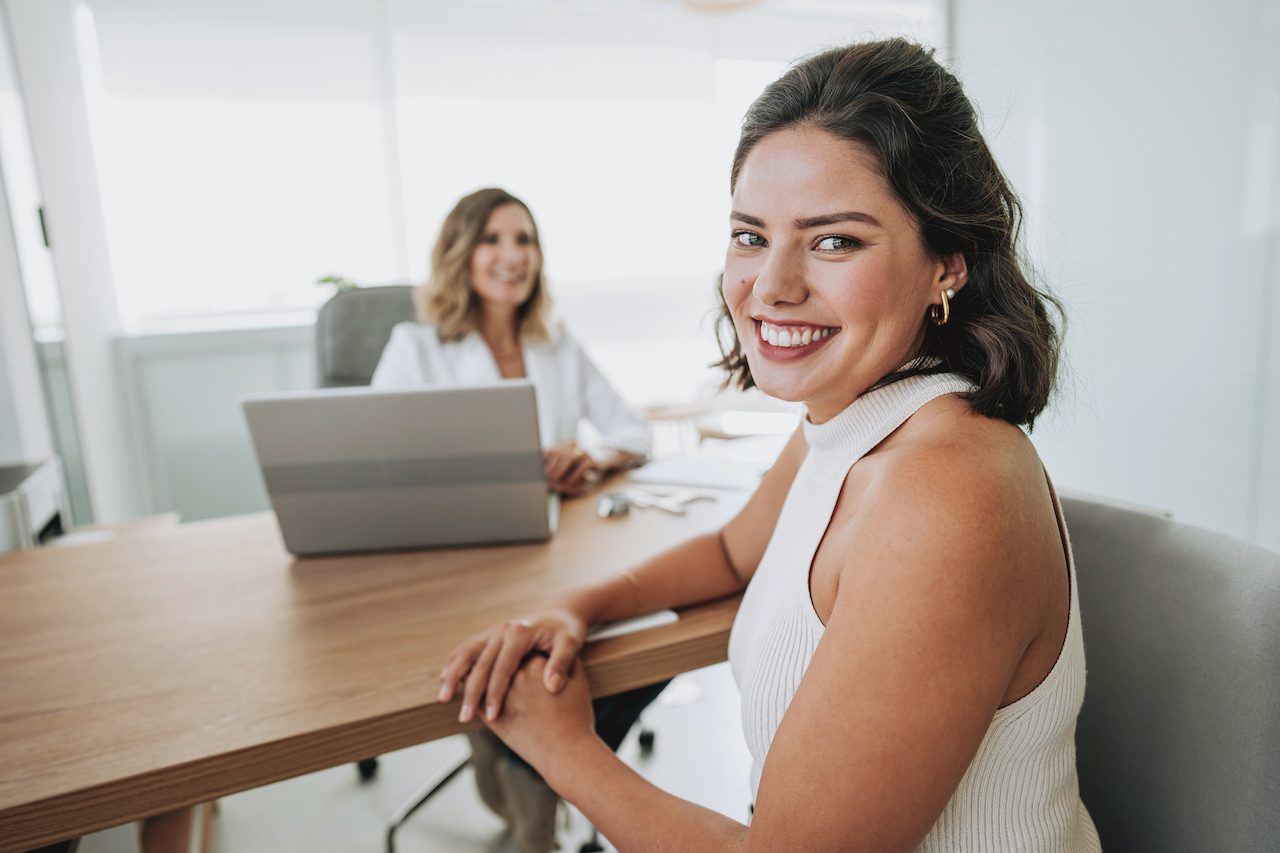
[(530, 701)]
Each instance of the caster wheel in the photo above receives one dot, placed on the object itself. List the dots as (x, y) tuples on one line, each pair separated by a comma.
[(368, 769), (646, 742)]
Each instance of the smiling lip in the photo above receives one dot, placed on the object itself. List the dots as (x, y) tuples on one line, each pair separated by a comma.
[(508, 279), (791, 341)]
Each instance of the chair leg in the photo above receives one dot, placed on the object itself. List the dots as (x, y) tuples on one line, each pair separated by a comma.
[(424, 793)]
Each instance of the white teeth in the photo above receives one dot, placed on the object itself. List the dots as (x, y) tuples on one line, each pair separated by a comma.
[(791, 337)]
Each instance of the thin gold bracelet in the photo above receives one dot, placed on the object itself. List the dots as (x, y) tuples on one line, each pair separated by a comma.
[(635, 583)]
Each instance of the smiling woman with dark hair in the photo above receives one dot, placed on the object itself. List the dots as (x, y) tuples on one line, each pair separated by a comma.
[(909, 646)]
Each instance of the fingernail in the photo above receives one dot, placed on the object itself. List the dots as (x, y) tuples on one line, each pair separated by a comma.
[(464, 716), (444, 693), (556, 681), (491, 713)]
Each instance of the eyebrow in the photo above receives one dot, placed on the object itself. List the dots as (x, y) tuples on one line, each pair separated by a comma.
[(750, 220), (833, 218), (813, 221)]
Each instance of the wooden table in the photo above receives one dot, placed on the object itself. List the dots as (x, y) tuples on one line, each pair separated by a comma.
[(178, 664)]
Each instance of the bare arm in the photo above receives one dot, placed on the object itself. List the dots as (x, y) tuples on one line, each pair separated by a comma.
[(630, 811), (702, 569), (936, 606)]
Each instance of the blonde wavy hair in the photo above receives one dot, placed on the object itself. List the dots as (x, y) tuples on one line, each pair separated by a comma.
[(448, 299)]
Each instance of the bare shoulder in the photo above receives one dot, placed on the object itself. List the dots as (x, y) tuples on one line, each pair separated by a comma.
[(953, 505), (951, 465)]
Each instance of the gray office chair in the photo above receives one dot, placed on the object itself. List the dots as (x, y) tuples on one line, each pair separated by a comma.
[(352, 329), (1178, 743)]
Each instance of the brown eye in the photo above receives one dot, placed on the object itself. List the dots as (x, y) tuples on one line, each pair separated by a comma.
[(747, 239)]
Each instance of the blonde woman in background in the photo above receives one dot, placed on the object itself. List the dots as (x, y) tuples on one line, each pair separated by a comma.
[(485, 314)]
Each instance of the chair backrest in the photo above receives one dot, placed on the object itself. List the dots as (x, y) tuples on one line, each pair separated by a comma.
[(352, 329), (1178, 743)]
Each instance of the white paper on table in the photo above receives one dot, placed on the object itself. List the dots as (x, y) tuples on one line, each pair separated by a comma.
[(630, 626), (700, 472)]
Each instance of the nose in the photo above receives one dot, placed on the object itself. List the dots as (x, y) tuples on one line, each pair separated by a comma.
[(511, 252), (781, 279)]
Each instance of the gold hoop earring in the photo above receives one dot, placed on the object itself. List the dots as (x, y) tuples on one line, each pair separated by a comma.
[(940, 318)]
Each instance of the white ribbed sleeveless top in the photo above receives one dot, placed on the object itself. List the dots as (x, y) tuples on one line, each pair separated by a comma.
[(1020, 793)]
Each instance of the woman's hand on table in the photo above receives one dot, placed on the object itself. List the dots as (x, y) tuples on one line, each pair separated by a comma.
[(540, 725), (481, 668), (572, 470)]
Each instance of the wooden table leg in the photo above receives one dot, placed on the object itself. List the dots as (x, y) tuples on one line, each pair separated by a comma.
[(188, 830)]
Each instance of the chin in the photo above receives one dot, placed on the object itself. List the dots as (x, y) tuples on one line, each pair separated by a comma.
[(779, 387)]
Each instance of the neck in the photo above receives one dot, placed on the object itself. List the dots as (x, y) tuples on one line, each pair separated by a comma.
[(822, 409), (498, 328)]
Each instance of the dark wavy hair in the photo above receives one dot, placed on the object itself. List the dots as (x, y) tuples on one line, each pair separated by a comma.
[(894, 100)]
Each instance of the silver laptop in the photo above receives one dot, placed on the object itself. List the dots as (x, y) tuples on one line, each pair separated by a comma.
[(358, 469)]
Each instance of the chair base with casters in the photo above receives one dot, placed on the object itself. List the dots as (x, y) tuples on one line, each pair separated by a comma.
[(426, 791)]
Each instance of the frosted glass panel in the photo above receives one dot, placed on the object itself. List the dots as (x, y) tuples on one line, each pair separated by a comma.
[(196, 449)]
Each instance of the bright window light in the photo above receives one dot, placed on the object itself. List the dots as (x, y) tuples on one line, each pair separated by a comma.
[(246, 150)]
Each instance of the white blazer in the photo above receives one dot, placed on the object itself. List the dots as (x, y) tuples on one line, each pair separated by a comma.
[(568, 387)]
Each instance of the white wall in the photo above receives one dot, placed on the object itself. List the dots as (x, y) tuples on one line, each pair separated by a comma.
[(24, 423), (46, 51), (1142, 136)]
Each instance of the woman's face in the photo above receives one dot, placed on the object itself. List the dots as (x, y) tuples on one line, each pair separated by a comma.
[(505, 263), (826, 278)]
